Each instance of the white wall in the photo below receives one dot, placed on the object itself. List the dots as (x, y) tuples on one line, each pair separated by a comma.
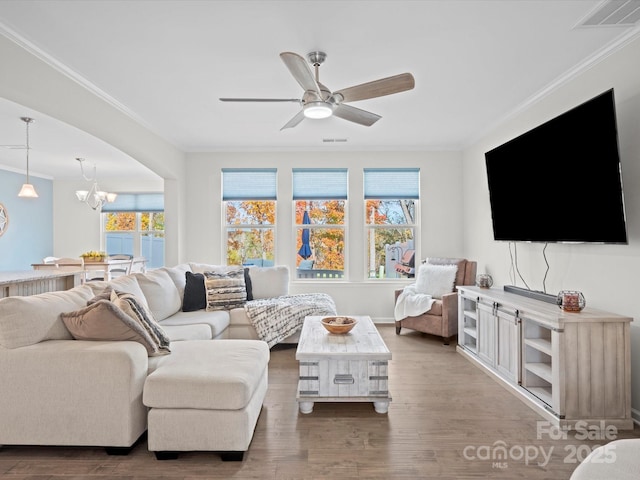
[(606, 274), (440, 215), (76, 227), (29, 81)]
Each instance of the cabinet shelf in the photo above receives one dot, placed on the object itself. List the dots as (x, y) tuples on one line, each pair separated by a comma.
[(542, 370), (471, 331), (471, 314), (539, 344), (543, 393)]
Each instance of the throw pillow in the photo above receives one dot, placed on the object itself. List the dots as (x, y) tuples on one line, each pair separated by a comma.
[(248, 284), (104, 295), (103, 320), (195, 293), (436, 280), (133, 306), (160, 294), (225, 290)]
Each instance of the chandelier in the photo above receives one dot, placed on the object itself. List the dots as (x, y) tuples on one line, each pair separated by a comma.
[(27, 190), (94, 197)]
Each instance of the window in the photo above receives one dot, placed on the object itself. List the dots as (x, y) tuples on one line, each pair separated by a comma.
[(134, 225), (249, 202), (320, 197), (390, 221)]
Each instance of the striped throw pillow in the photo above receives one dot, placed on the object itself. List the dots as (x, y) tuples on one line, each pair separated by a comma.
[(225, 290)]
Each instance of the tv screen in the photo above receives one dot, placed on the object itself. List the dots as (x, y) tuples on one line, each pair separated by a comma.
[(561, 181)]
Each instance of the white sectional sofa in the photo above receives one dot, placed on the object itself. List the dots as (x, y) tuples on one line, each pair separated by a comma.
[(60, 391)]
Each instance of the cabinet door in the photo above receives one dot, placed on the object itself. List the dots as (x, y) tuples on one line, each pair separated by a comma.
[(508, 345), (486, 341)]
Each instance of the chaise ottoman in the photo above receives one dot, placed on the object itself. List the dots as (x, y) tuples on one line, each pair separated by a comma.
[(206, 396)]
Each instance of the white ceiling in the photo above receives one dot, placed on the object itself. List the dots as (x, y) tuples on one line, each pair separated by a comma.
[(167, 62)]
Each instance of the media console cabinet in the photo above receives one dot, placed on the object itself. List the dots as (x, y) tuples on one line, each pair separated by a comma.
[(568, 366)]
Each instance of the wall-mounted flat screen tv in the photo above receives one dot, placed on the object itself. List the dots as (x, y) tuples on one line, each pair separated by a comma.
[(562, 180)]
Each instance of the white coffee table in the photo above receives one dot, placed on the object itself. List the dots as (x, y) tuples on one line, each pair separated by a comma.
[(352, 367)]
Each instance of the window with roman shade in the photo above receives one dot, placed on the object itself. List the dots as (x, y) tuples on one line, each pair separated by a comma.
[(134, 225), (249, 198), (320, 197), (391, 201)]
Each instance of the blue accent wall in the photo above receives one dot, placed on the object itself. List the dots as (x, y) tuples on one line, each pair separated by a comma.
[(29, 235)]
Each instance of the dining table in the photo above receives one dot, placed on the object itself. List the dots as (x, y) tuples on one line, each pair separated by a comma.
[(103, 269)]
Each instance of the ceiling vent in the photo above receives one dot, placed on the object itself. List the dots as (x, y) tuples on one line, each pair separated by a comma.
[(334, 140), (613, 13)]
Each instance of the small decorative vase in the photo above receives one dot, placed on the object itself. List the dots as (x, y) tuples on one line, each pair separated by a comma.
[(571, 300), (484, 280)]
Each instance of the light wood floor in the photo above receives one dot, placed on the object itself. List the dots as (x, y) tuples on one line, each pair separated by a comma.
[(445, 414)]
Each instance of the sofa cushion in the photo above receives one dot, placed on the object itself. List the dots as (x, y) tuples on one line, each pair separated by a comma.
[(217, 321), (179, 333), (124, 283), (207, 267), (205, 375), (436, 280), (195, 293), (269, 282), (33, 319), (104, 320), (177, 274), (134, 308), (225, 290), (160, 292)]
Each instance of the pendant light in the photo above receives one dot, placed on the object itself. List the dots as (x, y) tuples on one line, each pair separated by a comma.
[(27, 189)]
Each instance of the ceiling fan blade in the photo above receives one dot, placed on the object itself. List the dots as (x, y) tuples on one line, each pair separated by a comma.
[(297, 100), (294, 121), (301, 71), (377, 88), (353, 114)]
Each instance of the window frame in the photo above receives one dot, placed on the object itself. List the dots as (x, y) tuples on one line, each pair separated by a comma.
[(391, 194), (320, 185), (263, 188)]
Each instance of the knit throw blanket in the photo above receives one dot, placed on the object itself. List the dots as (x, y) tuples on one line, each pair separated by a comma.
[(278, 318)]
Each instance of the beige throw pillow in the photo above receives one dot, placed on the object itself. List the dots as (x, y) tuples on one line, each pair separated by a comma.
[(132, 306), (102, 320)]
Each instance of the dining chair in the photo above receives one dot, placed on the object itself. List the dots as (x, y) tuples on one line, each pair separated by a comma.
[(138, 265), (69, 262), (120, 269)]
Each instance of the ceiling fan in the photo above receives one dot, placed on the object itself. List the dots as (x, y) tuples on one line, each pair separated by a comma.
[(319, 102)]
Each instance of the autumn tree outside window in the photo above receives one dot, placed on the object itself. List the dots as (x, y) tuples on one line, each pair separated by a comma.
[(322, 193), (134, 225), (391, 197), (249, 198)]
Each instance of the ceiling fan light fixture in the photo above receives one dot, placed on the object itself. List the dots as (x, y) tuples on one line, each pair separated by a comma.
[(317, 110)]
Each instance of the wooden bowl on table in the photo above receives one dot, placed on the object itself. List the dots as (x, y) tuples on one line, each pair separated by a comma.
[(338, 325)]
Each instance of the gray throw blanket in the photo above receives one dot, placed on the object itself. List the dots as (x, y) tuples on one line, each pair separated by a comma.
[(278, 318)]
